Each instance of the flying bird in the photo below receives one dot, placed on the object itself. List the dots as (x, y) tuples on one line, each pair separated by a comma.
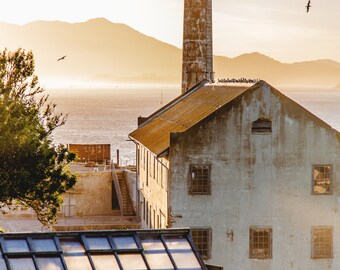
[(308, 6), (61, 58)]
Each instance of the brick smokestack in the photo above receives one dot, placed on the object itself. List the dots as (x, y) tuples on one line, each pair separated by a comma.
[(197, 62)]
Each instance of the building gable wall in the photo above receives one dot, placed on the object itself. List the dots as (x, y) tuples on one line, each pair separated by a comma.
[(257, 180)]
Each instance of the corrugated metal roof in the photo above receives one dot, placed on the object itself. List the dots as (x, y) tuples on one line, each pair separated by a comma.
[(187, 111)]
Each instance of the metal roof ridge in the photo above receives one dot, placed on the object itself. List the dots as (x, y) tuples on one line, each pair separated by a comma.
[(173, 102)]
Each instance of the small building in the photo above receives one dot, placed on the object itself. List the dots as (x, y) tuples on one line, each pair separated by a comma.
[(103, 198), (250, 171), (100, 250)]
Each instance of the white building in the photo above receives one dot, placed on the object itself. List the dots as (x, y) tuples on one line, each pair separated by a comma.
[(252, 172)]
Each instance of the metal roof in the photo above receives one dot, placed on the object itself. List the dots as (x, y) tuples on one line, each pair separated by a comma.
[(183, 113), (100, 250)]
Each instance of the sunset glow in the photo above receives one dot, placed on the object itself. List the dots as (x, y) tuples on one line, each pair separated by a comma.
[(280, 29)]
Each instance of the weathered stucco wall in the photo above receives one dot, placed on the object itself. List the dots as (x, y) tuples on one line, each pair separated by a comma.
[(258, 180), (153, 181), (92, 194)]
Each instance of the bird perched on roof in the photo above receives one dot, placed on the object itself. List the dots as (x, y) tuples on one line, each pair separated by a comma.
[(308, 6), (61, 58)]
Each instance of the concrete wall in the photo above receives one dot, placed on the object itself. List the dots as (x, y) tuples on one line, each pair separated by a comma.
[(153, 190), (92, 194), (258, 180)]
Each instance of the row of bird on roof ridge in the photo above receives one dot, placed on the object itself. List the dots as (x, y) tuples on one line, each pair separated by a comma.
[(241, 80)]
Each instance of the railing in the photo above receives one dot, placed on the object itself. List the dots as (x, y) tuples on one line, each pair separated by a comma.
[(118, 191)]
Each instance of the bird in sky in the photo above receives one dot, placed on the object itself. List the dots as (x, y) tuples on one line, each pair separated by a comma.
[(308, 6), (61, 58)]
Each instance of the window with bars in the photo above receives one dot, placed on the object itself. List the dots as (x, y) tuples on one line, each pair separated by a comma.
[(322, 180), (260, 243), (322, 242), (200, 179), (202, 238)]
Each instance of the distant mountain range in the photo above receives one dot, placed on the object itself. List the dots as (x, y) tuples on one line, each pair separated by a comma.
[(101, 51)]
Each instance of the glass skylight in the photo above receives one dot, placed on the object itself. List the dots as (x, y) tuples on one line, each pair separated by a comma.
[(100, 250)]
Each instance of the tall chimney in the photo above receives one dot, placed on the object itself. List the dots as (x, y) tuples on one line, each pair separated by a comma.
[(197, 62)]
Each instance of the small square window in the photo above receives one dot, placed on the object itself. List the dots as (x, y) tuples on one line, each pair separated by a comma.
[(322, 242), (202, 239), (199, 179), (260, 243), (322, 179)]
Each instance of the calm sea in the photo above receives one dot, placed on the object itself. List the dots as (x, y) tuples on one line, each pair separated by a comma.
[(108, 115)]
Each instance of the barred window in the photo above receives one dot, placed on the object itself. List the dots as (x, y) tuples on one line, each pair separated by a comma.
[(260, 243), (322, 179), (199, 179), (322, 242), (202, 239)]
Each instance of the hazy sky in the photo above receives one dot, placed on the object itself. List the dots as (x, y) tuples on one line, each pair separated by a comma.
[(278, 28)]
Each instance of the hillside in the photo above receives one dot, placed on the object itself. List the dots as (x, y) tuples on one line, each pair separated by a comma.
[(101, 51), (96, 50)]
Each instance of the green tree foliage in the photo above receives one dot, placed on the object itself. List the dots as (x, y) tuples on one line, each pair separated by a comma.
[(33, 170)]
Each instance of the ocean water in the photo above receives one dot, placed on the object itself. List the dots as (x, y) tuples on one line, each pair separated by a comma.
[(108, 115)]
